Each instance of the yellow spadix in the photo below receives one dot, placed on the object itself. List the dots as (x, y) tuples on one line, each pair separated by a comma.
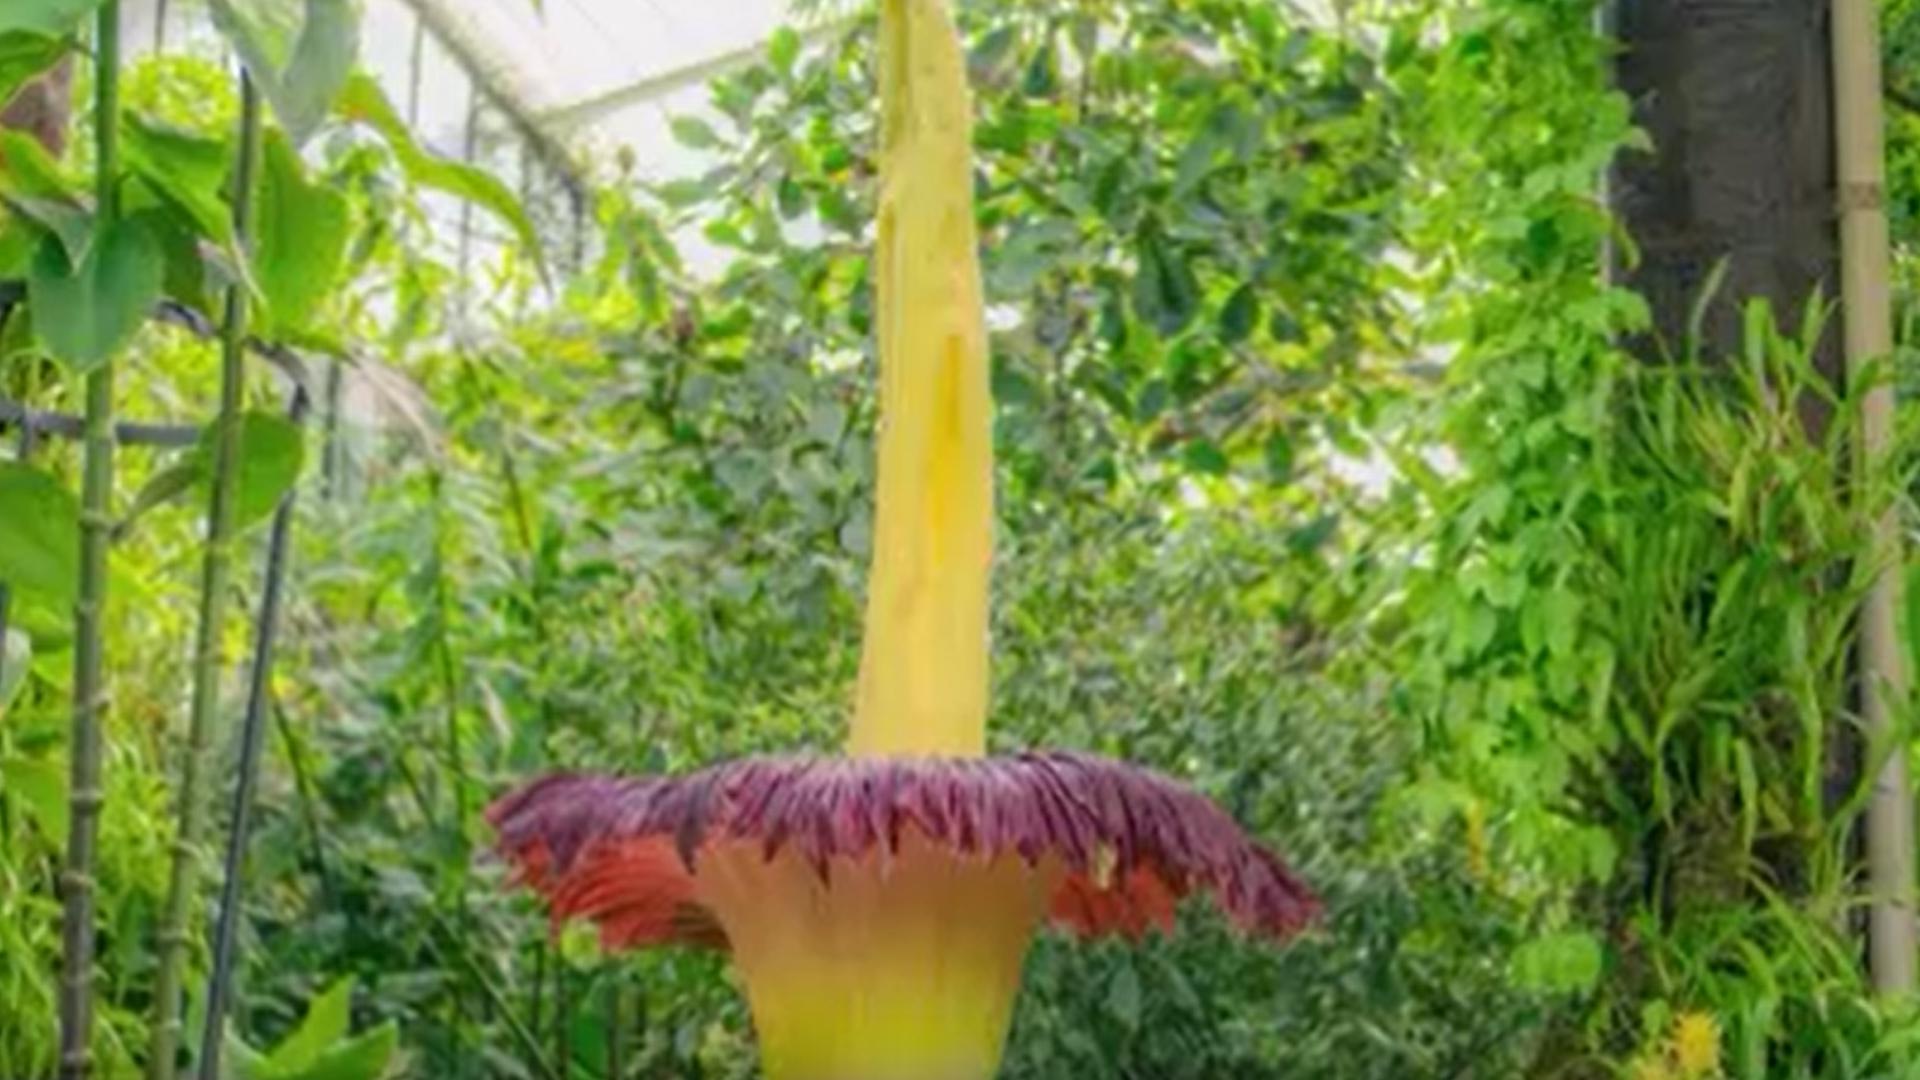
[(923, 671)]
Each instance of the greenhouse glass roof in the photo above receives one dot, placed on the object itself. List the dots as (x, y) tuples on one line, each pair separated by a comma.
[(589, 73), (609, 72)]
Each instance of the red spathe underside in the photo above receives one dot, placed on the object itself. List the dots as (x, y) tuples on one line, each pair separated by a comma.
[(624, 851)]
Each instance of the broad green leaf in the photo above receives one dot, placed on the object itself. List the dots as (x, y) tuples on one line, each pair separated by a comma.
[(27, 168), (683, 193), (301, 79), (187, 170), (694, 133), (1560, 609), (190, 259), (17, 243), (41, 787), (1041, 77), (1203, 456), (1564, 963), (160, 489), (783, 49), (39, 533), (271, 454), (1165, 292), (1123, 997), (364, 102), (364, 1057), (16, 652), (324, 1025), (34, 190), (262, 32), (240, 1061), (24, 54), (301, 242), (55, 18), (72, 225), (1240, 315), (322, 60), (1279, 455), (87, 313)]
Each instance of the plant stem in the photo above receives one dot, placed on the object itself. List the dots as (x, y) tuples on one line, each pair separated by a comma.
[(529, 1041), (89, 684), (303, 790), (6, 611), (331, 452), (216, 566), (615, 1029), (562, 1021), (252, 736), (1867, 310)]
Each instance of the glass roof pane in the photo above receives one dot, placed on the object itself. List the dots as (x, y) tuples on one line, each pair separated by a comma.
[(581, 49)]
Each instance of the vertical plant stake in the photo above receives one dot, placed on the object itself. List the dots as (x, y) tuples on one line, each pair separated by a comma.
[(1866, 276), (252, 737), (208, 661), (879, 905), (89, 691), (85, 311)]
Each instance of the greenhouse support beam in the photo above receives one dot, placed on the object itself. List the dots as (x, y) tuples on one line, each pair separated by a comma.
[(1865, 274), (493, 77), (35, 423), (580, 114)]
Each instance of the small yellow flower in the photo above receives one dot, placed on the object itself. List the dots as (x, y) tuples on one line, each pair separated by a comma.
[(1696, 1045)]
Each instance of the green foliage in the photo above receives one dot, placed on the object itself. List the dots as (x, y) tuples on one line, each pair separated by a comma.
[(362, 101), (40, 200), (51, 18), (1326, 488), (85, 296), (321, 1048), (271, 451), (38, 519), (23, 55), (300, 244), (187, 171), (89, 311), (300, 59)]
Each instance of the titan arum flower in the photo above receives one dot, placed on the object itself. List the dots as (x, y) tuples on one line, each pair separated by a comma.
[(879, 905)]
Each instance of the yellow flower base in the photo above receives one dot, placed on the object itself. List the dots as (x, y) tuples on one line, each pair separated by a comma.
[(901, 967)]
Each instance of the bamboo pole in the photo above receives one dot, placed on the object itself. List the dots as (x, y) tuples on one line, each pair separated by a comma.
[(216, 569), (89, 675), (1867, 307)]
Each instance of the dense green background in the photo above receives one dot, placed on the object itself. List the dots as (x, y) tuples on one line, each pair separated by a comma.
[(1323, 488)]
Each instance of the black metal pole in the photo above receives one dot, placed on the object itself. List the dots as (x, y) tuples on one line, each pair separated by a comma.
[(252, 736)]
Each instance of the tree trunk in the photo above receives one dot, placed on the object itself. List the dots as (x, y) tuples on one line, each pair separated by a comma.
[(43, 108), (1737, 97)]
